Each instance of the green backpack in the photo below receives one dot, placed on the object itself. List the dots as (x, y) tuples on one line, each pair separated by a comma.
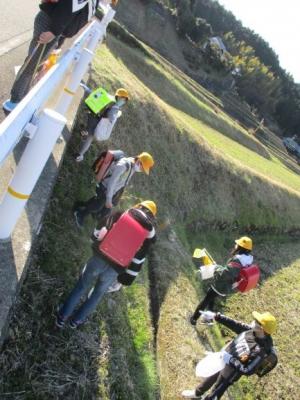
[(99, 100)]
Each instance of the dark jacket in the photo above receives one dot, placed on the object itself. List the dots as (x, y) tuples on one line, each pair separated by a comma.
[(69, 16), (128, 275), (248, 350), (226, 276)]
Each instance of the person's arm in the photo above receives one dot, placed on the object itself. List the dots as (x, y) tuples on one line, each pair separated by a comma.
[(86, 89), (235, 326), (129, 275), (104, 225), (112, 113), (118, 170)]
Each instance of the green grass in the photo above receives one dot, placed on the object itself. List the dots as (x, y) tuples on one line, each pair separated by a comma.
[(212, 182), (271, 169)]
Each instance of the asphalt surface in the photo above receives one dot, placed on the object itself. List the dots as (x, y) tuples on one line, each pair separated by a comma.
[(16, 25)]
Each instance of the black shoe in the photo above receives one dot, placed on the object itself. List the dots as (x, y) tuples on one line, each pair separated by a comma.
[(193, 320), (78, 219), (75, 324), (59, 322), (78, 157)]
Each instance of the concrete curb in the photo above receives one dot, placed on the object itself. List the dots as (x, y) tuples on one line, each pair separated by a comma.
[(15, 254)]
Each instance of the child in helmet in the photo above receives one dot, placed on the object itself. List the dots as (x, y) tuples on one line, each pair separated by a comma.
[(225, 277), (120, 248), (250, 352), (101, 107)]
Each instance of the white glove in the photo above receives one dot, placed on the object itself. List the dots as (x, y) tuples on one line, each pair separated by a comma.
[(226, 357), (100, 233), (208, 315)]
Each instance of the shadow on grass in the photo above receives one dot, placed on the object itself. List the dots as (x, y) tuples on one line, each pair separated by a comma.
[(40, 363), (132, 372)]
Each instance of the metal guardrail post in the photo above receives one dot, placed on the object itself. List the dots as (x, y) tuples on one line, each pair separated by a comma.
[(49, 125), (29, 169)]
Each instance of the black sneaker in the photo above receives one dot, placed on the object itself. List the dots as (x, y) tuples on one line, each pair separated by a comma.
[(78, 219), (59, 322), (73, 324)]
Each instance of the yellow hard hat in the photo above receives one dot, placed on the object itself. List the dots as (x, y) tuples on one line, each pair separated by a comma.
[(245, 242), (122, 93), (150, 205), (266, 320), (146, 161)]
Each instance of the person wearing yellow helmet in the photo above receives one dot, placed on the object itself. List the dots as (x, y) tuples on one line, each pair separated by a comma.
[(103, 112), (250, 352), (120, 247), (110, 188), (225, 277)]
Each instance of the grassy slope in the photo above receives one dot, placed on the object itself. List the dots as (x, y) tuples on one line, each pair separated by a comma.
[(202, 178)]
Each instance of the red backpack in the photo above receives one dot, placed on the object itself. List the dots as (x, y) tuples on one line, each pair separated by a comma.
[(123, 240), (104, 161), (248, 278)]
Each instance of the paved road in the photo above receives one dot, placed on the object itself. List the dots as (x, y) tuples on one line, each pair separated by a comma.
[(16, 23)]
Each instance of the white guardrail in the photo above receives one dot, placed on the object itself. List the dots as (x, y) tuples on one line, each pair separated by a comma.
[(46, 128)]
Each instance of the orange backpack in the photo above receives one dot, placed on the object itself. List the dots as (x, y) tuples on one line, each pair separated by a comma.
[(104, 161)]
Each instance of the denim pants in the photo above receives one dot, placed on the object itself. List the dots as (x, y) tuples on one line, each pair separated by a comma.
[(95, 279)]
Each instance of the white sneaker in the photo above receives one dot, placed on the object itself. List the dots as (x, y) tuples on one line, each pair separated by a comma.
[(190, 394), (79, 158), (206, 321), (114, 287)]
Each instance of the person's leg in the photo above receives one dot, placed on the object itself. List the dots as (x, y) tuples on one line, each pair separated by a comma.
[(92, 206), (21, 86), (88, 137), (225, 379), (84, 284), (206, 384), (85, 144), (107, 276), (208, 300)]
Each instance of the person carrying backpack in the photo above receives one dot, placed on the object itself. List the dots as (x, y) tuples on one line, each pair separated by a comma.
[(225, 277), (250, 352), (103, 112), (56, 19), (112, 183), (120, 248)]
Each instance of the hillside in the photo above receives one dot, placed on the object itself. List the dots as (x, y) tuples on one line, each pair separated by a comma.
[(249, 70), (212, 181)]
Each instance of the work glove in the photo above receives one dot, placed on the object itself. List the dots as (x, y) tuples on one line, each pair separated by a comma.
[(208, 316), (99, 234)]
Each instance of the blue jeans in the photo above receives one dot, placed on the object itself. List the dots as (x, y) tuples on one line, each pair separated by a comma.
[(96, 277)]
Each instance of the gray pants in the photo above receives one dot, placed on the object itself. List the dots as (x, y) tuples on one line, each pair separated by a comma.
[(221, 381), (92, 122), (21, 86)]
